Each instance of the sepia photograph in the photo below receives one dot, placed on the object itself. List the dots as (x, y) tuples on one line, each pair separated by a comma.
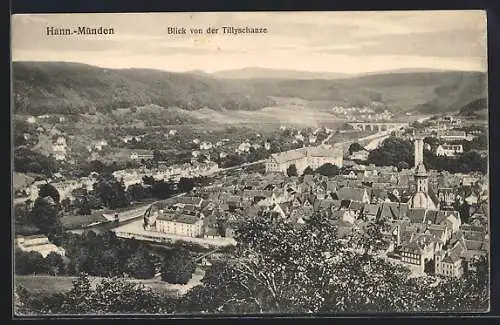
[(250, 163)]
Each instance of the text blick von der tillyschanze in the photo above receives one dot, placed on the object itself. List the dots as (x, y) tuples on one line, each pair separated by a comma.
[(225, 30)]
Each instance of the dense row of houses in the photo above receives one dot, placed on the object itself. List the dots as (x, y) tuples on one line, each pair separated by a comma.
[(135, 176), (423, 229)]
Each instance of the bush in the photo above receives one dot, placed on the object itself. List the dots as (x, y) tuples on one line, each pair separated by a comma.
[(177, 267)]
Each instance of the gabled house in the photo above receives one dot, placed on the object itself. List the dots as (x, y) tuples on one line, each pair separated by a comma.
[(353, 194), (393, 211), (370, 211), (450, 263), (415, 216)]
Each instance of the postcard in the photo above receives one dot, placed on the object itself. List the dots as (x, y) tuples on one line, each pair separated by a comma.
[(250, 163)]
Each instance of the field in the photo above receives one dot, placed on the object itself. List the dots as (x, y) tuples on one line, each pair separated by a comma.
[(47, 284)]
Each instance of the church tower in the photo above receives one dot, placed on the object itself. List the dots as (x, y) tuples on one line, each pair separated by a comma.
[(421, 199), (419, 151)]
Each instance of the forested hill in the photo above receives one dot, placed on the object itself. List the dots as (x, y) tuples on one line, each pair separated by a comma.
[(57, 87)]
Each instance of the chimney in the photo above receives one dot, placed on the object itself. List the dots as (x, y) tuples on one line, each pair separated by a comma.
[(419, 150)]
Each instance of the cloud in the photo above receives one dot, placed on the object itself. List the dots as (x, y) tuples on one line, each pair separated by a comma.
[(329, 41), (453, 43)]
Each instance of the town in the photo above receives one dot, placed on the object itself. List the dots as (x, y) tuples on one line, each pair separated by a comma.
[(431, 220)]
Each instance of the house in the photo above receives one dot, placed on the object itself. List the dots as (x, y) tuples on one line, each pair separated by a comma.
[(449, 150), (174, 223), (455, 135), (281, 210), (361, 155), (136, 156), (262, 197), (392, 211), (370, 211), (205, 145), (446, 196), (348, 216), (323, 205), (418, 251), (450, 263), (211, 232), (440, 232), (415, 216), (353, 194), (39, 244), (99, 144), (230, 230), (313, 157)]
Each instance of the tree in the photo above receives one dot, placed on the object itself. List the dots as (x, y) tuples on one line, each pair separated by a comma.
[(45, 215), (79, 299), (111, 192), (308, 171), (391, 152), (328, 169), (201, 158), (27, 161), (55, 264), (162, 189), (157, 155), (108, 296), (233, 160), (29, 263), (97, 166), (278, 267), (403, 165), (291, 170), (355, 147), (177, 267), (148, 180), (84, 206), (185, 184), (139, 265), (49, 190), (137, 192), (66, 204)]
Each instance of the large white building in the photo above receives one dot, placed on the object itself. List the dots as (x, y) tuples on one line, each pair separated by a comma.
[(449, 150), (313, 157), (173, 223)]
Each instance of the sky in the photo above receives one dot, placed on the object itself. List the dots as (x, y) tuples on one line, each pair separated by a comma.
[(339, 42)]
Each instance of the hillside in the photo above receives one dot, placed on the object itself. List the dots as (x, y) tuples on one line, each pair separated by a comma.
[(476, 108), (55, 87), (425, 92)]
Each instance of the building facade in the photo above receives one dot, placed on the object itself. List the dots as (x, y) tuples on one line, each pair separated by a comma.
[(449, 150), (313, 157)]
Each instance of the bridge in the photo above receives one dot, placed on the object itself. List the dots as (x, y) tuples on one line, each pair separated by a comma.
[(377, 126)]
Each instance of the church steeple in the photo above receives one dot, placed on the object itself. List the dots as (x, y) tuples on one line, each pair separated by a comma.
[(422, 178), (419, 150), (421, 198)]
